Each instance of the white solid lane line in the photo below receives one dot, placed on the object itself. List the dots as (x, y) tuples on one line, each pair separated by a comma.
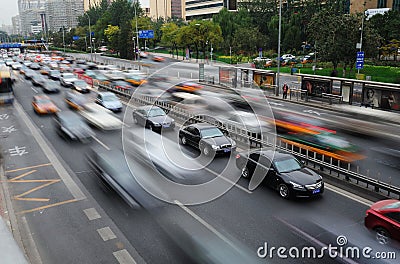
[(101, 143), (349, 195), (203, 222)]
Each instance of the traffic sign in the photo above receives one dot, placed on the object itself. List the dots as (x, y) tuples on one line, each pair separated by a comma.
[(360, 60), (75, 37), (146, 33)]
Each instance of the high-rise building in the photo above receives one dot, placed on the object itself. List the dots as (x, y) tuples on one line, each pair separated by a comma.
[(362, 5), (29, 13), (16, 24), (63, 14), (87, 4), (197, 9), (166, 8)]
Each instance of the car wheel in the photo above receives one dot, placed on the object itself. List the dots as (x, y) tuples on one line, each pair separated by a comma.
[(183, 140), (284, 191), (382, 235), (245, 172), (206, 151)]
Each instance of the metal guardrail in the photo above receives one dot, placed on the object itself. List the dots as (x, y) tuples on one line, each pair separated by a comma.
[(327, 164)]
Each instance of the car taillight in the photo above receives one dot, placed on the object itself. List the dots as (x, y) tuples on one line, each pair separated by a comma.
[(237, 156)]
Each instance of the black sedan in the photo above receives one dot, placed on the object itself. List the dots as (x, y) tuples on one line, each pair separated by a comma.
[(207, 138), (50, 87), (281, 171), (70, 125), (152, 117)]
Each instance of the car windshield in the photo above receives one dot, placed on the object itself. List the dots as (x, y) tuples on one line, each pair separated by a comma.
[(68, 76), (110, 97), (155, 112), (287, 165), (211, 133), (391, 206)]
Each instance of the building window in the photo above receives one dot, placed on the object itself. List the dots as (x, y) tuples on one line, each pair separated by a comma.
[(382, 4), (204, 6), (396, 5)]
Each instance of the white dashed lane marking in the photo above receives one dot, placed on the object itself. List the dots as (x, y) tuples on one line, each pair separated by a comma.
[(106, 233), (92, 214), (124, 257)]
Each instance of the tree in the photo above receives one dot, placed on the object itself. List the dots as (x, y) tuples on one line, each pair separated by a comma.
[(169, 37), (248, 40), (112, 34)]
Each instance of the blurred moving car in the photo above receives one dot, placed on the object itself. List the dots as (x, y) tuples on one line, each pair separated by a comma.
[(34, 66), (50, 87), (43, 105), (186, 87), (280, 171), (122, 85), (111, 167), (54, 74), (158, 59), (109, 100), (206, 138), (80, 86), (44, 70), (70, 125), (383, 218), (152, 117), (134, 79), (75, 100), (37, 80), (100, 117), (66, 79), (29, 73)]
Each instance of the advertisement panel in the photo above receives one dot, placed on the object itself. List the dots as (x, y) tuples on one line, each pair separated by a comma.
[(315, 87), (390, 100)]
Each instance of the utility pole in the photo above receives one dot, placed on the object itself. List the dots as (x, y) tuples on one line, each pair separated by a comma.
[(279, 49)]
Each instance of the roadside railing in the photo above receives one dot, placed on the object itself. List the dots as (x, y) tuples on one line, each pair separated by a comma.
[(333, 165)]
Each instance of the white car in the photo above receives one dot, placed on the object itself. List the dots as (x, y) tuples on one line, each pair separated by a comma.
[(110, 101), (100, 117), (288, 57), (67, 79)]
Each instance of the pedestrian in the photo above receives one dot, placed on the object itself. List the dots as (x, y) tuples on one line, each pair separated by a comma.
[(285, 90)]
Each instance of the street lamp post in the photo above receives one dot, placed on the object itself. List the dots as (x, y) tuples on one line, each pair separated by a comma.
[(137, 32), (361, 35), (279, 49), (63, 38)]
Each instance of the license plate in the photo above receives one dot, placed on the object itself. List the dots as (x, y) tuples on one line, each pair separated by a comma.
[(166, 125), (316, 191), (227, 150)]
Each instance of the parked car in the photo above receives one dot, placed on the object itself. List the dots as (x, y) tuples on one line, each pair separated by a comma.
[(207, 138), (80, 86), (43, 105), (100, 117), (281, 171), (152, 117), (383, 218), (50, 87), (66, 79), (288, 56), (70, 125), (110, 101)]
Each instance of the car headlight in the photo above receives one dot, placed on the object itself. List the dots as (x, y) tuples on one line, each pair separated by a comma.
[(157, 124), (215, 147), (233, 144), (297, 186)]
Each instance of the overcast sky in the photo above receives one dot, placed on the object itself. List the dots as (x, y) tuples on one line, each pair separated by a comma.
[(9, 8)]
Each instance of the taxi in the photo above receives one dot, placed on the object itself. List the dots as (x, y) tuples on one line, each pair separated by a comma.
[(43, 105)]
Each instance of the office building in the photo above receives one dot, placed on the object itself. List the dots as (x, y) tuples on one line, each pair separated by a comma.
[(63, 13)]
